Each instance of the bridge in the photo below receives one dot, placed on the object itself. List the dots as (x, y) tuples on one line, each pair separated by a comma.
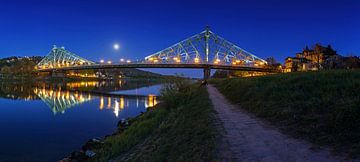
[(205, 50)]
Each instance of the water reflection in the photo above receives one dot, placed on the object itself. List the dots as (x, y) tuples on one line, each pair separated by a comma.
[(59, 101), (151, 101), (62, 96), (64, 115), (17, 91)]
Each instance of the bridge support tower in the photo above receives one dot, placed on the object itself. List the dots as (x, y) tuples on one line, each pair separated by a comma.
[(207, 73)]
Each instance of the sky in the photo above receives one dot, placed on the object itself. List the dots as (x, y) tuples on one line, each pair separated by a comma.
[(89, 28)]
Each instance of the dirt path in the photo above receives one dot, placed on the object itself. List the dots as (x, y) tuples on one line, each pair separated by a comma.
[(246, 138)]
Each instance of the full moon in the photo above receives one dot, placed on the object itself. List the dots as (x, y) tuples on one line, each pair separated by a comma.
[(116, 46)]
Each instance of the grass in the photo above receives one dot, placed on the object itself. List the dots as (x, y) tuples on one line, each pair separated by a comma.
[(140, 128), (322, 107), (179, 129)]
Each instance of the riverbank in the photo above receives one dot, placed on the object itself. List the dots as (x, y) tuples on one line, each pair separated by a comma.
[(321, 107), (62, 79), (179, 128)]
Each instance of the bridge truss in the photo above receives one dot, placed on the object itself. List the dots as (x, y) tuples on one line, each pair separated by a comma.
[(59, 57), (206, 48)]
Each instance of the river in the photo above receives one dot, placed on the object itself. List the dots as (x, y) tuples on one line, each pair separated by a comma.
[(45, 121)]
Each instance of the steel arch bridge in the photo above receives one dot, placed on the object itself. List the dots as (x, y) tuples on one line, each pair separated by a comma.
[(205, 50)]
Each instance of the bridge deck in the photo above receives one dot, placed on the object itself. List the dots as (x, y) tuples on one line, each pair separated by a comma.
[(186, 66)]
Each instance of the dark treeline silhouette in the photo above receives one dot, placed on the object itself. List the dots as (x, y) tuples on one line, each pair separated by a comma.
[(18, 65)]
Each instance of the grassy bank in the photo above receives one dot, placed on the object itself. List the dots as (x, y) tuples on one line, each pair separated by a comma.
[(322, 107), (179, 129)]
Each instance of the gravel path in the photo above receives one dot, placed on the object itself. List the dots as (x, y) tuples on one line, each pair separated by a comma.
[(246, 138)]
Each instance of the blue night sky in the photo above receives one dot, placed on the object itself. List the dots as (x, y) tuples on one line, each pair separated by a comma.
[(89, 28)]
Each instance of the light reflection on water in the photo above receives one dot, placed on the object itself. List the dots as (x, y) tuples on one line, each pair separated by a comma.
[(58, 100), (47, 121)]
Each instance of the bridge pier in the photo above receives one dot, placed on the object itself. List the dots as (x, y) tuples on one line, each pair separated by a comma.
[(207, 73), (58, 74)]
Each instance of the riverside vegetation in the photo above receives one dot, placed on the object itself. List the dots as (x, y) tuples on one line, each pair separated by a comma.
[(180, 128), (322, 107)]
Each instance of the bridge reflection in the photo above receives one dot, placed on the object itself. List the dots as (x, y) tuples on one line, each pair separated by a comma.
[(59, 101), (61, 96)]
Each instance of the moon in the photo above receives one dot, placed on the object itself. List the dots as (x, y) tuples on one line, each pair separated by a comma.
[(116, 46)]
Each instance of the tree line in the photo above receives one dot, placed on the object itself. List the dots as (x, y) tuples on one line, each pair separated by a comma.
[(18, 65)]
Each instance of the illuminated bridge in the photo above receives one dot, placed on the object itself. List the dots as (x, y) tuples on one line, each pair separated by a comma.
[(205, 50)]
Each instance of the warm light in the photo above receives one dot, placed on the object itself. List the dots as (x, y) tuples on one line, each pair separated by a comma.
[(151, 101), (101, 102), (151, 59), (102, 61), (128, 61), (81, 97), (109, 103), (109, 62), (176, 59), (156, 61), (122, 102), (58, 94), (237, 61), (217, 60), (234, 63), (196, 60)]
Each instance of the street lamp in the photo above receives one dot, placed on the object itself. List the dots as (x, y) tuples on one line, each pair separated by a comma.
[(196, 60)]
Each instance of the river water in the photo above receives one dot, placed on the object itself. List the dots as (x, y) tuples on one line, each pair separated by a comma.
[(45, 121)]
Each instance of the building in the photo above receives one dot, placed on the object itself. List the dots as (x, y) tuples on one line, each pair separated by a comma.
[(309, 59), (296, 64)]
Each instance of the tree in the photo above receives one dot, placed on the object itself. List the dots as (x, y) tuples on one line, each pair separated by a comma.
[(6, 70), (272, 62), (352, 62)]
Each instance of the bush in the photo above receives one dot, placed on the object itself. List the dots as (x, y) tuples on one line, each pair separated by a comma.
[(173, 89)]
